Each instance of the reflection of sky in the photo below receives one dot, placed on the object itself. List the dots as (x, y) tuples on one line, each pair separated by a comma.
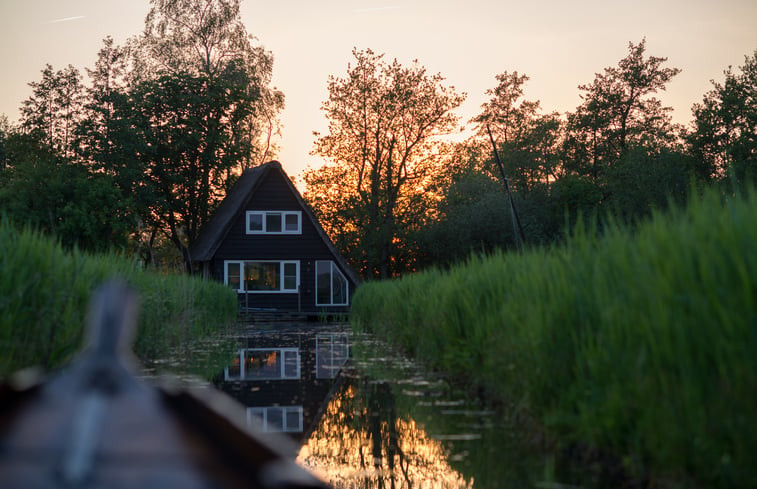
[(343, 455)]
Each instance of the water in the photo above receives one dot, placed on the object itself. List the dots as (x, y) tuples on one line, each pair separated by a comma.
[(365, 416)]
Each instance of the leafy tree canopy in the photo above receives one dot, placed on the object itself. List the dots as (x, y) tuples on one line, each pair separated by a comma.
[(724, 139), (384, 121), (619, 110)]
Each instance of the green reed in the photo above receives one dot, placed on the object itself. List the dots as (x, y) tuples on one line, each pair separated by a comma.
[(45, 291), (643, 343)]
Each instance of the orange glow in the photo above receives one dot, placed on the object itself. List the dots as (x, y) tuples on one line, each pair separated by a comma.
[(342, 452)]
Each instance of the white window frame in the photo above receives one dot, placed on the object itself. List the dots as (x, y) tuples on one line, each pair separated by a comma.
[(334, 268), (262, 413), (282, 352), (282, 283), (265, 214), (332, 350)]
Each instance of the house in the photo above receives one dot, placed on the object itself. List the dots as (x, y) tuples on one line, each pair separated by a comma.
[(265, 242)]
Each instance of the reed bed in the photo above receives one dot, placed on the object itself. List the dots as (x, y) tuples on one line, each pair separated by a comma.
[(641, 344), (45, 291)]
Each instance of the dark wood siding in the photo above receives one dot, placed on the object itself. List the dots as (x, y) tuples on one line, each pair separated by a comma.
[(273, 193)]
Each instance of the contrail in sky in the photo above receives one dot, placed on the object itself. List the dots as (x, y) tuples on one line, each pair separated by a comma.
[(375, 9), (65, 20)]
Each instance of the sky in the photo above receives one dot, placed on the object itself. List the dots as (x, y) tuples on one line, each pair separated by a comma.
[(559, 44)]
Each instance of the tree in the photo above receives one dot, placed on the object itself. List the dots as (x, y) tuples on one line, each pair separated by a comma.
[(97, 129), (175, 114), (4, 132), (618, 111), (61, 197), (471, 217), (724, 139), (526, 140), (207, 38), (53, 111), (383, 122), (177, 149)]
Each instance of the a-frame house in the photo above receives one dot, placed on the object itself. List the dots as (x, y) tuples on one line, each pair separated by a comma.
[(265, 242)]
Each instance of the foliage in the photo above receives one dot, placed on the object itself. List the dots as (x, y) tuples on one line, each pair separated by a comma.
[(4, 133), (473, 216), (206, 38), (641, 182), (724, 139), (62, 198), (618, 111), (44, 294), (639, 344), (179, 147), (383, 121), (170, 118), (51, 114), (526, 140)]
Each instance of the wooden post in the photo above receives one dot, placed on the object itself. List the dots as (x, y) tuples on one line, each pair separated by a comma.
[(517, 228)]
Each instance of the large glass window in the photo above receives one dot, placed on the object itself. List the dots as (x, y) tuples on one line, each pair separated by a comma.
[(274, 222), (331, 353), (331, 286), (262, 276), (265, 364)]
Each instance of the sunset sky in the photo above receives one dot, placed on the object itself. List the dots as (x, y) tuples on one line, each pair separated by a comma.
[(558, 44)]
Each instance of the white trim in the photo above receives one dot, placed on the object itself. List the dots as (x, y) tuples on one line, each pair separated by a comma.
[(264, 221), (282, 355), (262, 412), (331, 353), (334, 269), (282, 268)]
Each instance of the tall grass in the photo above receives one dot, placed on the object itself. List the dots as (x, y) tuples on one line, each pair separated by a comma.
[(643, 344), (44, 296)]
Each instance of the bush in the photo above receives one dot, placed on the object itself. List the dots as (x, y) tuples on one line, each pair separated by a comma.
[(44, 297)]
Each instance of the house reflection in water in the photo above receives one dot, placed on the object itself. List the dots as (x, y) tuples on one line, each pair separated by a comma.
[(285, 377), (353, 430)]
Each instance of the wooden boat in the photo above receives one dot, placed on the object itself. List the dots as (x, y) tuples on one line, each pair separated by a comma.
[(96, 425)]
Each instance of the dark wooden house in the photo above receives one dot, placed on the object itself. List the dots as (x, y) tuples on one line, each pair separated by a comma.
[(265, 242)]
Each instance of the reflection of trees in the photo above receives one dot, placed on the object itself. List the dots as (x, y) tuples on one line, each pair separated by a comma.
[(361, 442)]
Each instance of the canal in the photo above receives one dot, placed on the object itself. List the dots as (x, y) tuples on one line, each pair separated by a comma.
[(363, 415)]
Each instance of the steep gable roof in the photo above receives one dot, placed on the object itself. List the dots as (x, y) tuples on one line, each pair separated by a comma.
[(215, 230)]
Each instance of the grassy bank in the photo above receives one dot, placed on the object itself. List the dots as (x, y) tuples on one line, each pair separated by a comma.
[(45, 290), (641, 344)]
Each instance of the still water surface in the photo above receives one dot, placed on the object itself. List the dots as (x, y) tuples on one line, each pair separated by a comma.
[(365, 416)]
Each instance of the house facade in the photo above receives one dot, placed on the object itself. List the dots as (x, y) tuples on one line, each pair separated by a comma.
[(264, 242)]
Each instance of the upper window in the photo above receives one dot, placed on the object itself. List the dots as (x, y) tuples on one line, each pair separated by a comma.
[(274, 222), (332, 288)]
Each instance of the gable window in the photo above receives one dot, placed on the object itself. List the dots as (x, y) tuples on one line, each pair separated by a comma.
[(331, 353), (331, 286), (265, 364), (274, 222), (263, 276)]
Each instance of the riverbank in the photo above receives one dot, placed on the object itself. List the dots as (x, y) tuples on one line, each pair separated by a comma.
[(641, 344), (44, 295)]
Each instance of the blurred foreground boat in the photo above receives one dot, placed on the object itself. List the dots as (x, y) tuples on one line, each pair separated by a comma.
[(95, 425)]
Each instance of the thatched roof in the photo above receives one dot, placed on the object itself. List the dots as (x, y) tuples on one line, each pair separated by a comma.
[(213, 233)]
